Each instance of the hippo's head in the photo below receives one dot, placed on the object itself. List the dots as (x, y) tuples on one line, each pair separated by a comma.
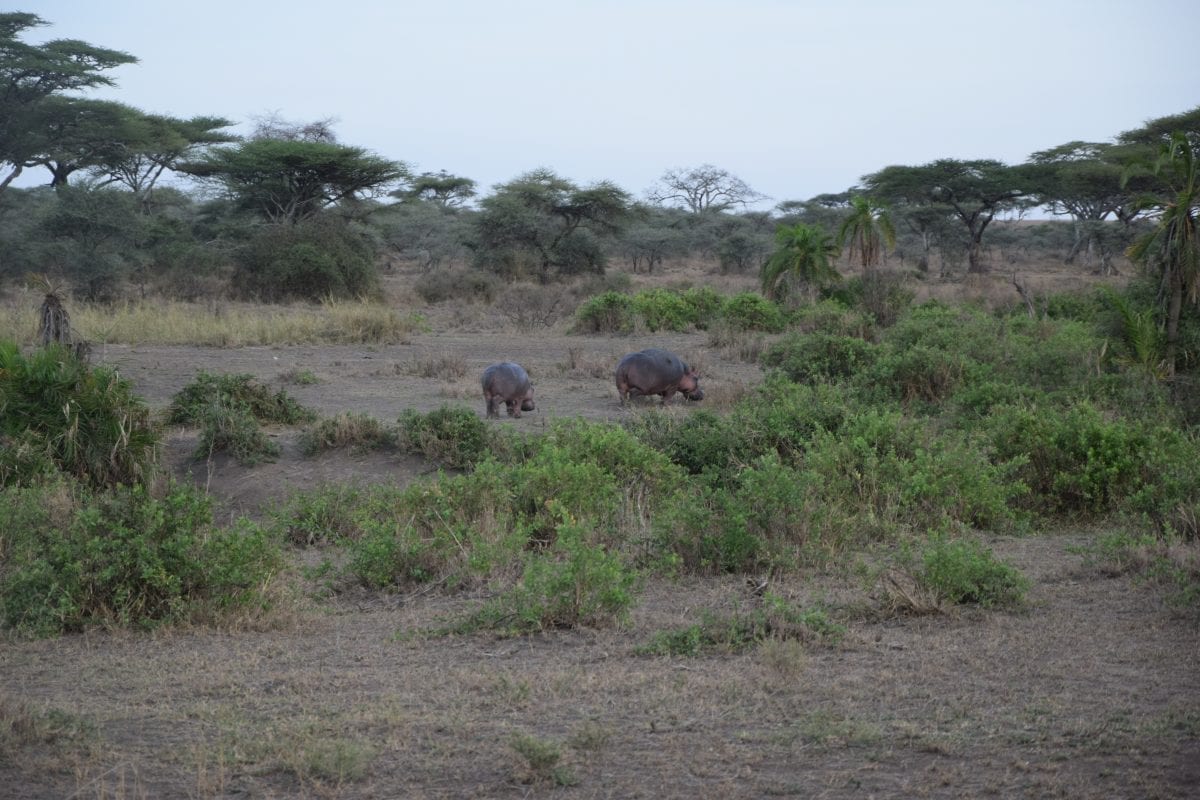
[(689, 384)]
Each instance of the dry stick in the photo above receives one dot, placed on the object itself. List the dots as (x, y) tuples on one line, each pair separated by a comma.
[(1026, 295)]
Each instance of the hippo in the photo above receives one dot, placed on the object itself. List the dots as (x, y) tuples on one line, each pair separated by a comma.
[(656, 371), (508, 383)]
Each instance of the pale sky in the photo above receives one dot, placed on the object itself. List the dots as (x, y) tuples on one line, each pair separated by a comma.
[(796, 98)]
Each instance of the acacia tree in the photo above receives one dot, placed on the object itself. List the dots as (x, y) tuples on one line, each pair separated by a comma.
[(163, 144), (972, 191), (31, 73), (868, 229), (543, 223), (700, 189), (76, 133), (803, 257), (441, 188), (1083, 179), (288, 181)]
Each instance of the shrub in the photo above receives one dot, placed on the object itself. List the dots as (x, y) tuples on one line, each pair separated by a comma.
[(452, 531), (831, 317), (348, 429), (964, 571), (85, 420), (318, 517), (231, 427), (663, 309), (749, 311), (918, 373), (610, 312), (191, 404), (126, 556), (704, 303), (1073, 460), (452, 436), (576, 584), (697, 442), (819, 356)]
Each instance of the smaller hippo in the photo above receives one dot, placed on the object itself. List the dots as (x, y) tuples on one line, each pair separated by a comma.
[(656, 371), (508, 383)]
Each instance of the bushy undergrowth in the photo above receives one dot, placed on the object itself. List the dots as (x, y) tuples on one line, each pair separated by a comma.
[(964, 571), (59, 413), (73, 558), (348, 429)]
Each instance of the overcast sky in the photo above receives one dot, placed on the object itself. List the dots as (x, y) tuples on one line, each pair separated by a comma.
[(796, 98)]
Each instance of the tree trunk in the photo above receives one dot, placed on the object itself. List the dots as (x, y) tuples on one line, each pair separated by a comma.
[(1174, 308)]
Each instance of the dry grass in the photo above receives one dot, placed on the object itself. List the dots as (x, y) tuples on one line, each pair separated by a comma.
[(446, 366), (224, 324)]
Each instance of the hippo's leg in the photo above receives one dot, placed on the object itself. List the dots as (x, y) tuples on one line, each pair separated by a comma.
[(492, 411)]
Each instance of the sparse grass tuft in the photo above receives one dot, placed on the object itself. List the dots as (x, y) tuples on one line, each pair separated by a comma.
[(349, 429), (540, 761)]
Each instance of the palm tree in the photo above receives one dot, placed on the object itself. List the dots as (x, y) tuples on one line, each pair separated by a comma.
[(1173, 247), (803, 256), (868, 229)]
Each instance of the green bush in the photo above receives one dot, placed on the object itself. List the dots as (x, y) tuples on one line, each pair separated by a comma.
[(191, 404), (819, 356), (919, 373), (964, 571), (664, 310), (321, 516), (127, 557), (700, 441), (87, 421), (833, 318), (749, 311), (610, 312), (705, 305), (575, 584), (1073, 460), (452, 436), (453, 531)]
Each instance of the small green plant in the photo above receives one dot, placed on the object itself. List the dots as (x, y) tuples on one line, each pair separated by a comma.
[(452, 436), (300, 377), (541, 759)]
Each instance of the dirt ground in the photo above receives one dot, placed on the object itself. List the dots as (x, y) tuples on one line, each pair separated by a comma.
[(1092, 691)]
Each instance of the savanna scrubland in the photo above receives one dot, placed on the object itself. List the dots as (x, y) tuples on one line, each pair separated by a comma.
[(931, 532)]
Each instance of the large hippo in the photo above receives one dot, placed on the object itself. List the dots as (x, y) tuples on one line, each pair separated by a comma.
[(508, 383), (656, 371)]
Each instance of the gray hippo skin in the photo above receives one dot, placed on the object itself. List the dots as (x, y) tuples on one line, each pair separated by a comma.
[(507, 383), (656, 371)]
